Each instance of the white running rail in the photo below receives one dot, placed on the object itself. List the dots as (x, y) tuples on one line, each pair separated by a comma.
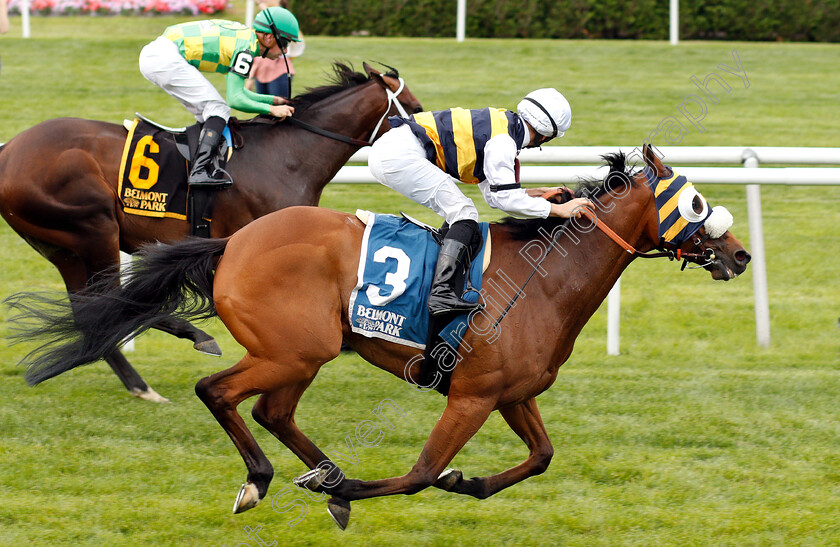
[(556, 165)]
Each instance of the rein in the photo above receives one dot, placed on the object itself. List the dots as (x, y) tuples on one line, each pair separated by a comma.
[(391, 100), (326, 133), (671, 255), (706, 253)]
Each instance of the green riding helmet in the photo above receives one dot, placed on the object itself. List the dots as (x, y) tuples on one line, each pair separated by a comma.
[(278, 21)]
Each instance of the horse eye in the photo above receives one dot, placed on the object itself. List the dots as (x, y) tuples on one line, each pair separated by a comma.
[(697, 204)]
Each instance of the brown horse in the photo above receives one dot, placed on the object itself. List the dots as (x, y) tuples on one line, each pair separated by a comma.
[(58, 184), (282, 286)]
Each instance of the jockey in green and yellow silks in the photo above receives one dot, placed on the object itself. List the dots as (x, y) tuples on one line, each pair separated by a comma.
[(174, 62)]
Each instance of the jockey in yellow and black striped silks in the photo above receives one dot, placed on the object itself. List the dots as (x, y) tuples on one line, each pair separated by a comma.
[(454, 139)]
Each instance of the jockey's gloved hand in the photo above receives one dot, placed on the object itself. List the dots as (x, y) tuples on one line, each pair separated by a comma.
[(281, 111)]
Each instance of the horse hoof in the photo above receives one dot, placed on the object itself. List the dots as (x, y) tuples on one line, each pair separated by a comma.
[(208, 347), (339, 510), (248, 498), (312, 480), (149, 394), (448, 479)]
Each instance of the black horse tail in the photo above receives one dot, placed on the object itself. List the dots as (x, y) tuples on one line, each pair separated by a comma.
[(162, 281)]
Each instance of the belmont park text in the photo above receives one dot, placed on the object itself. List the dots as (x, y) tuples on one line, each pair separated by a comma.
[(381, 320)]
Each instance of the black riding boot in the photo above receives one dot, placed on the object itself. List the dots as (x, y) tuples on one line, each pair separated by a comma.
[(206, 168), (444, 298)]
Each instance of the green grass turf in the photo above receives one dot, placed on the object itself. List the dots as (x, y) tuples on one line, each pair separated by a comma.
[(693, 436)]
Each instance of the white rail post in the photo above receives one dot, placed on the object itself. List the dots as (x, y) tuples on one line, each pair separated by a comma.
[(249, 12), (614, 318), (759, 267), (24, 17), (125, 261), (675, 22), (461, 25)]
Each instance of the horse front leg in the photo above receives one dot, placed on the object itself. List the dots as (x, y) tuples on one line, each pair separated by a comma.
[(461, 419), (181, 328), (526, 422)]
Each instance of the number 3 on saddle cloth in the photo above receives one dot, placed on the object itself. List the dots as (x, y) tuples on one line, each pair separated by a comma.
[(394, 279), (153, 174)]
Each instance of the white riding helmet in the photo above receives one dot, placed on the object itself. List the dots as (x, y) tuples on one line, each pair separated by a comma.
[(547, 111)]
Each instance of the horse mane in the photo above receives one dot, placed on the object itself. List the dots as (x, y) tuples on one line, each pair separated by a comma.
[(527, 229), (343, 77)]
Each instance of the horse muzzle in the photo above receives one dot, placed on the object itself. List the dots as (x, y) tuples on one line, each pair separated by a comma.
[(729, 266)]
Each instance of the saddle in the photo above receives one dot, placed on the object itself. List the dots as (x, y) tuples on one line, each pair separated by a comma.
[(154, 169), (186, 138)]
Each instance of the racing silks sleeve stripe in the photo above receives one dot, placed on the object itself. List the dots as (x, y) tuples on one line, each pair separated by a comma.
[(427, 121), (443, 123), (462, 130)]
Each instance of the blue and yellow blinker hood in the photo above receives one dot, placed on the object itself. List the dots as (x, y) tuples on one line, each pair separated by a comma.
[(682, 209)]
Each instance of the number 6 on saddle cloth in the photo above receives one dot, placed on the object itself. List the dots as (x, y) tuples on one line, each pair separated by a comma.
[(153, 174)]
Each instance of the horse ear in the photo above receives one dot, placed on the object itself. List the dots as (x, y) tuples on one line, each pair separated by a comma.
[(375, 75), (652, 161), (369, 70)]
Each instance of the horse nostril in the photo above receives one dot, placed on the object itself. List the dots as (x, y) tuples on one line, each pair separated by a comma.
[(418, 109), (742, 257)]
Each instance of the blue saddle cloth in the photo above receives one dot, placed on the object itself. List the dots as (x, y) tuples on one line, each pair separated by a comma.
[(395, 276)]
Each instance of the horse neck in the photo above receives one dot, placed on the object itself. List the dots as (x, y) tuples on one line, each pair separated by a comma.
[(353, 112), (583, 266), (309, 159)]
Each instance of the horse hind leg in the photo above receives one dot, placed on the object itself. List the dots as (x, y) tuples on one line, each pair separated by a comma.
[(75, 274), (202, 342), (275, 412), (131, 379), (526, 422), (461, 419)]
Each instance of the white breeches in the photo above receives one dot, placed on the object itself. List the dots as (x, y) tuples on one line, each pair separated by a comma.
[(398, 161), (162, 64)]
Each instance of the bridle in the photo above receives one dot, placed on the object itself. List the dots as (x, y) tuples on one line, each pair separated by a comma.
[(705, 253), (392, 100), (705, 257)]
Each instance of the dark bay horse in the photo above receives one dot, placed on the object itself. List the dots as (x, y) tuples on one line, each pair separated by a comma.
[(282, 284), (58, 184)]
